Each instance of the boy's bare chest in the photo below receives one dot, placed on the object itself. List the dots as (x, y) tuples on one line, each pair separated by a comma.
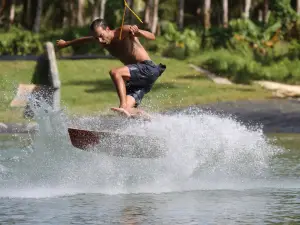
[(122, 47)]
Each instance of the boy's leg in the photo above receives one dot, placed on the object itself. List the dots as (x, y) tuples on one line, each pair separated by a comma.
[(127, 102), (119, 76), (136, 75)]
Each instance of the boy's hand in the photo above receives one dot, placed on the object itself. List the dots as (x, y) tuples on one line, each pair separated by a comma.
[(134, 30), (61, 43)]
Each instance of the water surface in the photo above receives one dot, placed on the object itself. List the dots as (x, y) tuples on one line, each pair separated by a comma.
[(215, 171)]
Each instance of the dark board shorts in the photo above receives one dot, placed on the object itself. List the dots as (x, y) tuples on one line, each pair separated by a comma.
[(142, 77)]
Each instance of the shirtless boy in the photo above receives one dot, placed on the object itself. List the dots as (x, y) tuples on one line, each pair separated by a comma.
[(137, 76)]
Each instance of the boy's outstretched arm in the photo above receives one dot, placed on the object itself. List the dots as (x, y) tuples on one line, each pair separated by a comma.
[(145, 34), (63, 44), (135, 31)]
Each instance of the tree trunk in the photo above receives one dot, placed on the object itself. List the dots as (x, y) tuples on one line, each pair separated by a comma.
[(260, 16), (102, 9), (147, 14), (155, 17), (225, 13), (80, 10), (26, 15), (298, 7), (65, 20), (72, 13), (180, 18), (266, 11), (96, 9), (207, 4), (3, 3), (247, 9), (12, 12), (241, 7), (130, 15), (38, 14), (29, 13)]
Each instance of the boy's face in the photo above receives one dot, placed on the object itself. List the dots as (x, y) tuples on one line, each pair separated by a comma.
[(103, 36)]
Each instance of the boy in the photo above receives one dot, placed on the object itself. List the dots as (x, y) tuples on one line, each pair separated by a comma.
[(137, 76)]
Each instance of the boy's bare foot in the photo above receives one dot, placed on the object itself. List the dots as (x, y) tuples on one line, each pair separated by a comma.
[(122, 111), (133, 113)]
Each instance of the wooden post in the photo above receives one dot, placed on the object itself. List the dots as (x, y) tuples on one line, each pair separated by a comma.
[(53, 75)]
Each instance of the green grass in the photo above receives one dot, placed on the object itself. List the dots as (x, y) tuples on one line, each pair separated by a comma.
[(87, 88)]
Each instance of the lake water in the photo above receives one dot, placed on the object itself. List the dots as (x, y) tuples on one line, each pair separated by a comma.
[(215, 171)]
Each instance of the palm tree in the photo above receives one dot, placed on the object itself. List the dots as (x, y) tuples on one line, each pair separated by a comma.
[(247, 9), (80, 12), (155, 17), (265, 12), (207, 4), (180, 18), (12, 12), (147, 13), (72, 15), (130, 15), (26, 13), (96, 7), (225, 13), (3, 3), (37, 19), (102, 8)]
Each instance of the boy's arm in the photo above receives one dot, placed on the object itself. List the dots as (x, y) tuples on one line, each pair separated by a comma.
[(135, 31), (145, 34), (64, 44)]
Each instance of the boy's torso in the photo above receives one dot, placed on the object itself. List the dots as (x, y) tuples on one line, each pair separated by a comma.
[(128, 50)]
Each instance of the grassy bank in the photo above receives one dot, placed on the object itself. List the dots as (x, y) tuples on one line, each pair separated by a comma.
[(87, 88)]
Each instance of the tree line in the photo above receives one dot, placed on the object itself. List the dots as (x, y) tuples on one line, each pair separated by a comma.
[(37, 15)]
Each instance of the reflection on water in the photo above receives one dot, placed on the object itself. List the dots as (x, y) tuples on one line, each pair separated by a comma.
[(199, 207), (287, 164), (12, 141), (133, 215)]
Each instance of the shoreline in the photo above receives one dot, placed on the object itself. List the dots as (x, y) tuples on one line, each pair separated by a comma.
[(275, 115)]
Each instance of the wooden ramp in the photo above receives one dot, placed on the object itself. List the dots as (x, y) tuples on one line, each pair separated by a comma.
[(23, 92)]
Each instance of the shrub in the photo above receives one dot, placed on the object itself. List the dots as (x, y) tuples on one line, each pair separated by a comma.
[(21, 43), (294, 50), (180, 44), (242, 69)]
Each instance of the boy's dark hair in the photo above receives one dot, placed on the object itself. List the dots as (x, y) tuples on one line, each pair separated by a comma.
[(98, 23)]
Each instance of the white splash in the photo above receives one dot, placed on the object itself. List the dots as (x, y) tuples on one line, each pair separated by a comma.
[(202, 151)]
